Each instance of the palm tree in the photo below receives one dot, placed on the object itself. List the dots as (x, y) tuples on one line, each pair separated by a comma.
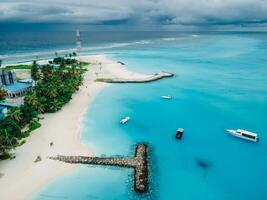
[(15, 114), (40, 108), (2, 94), (6, 144), (31, 99), (63, 88), (52, 91), (55, 105), (35, 71)]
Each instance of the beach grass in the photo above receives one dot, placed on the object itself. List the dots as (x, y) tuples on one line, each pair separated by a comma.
[(22, 66)]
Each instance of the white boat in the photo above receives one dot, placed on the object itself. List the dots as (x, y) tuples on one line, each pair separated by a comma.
[(166, 97), (247, 135), (124, 120)]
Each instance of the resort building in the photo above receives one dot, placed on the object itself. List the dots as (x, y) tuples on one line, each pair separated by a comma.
[(17, 90), (13, 88), (7, 77)]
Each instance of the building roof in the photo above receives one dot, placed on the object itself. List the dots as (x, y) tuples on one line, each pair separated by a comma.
[(17, 86), (3, 103), (26, 80), (2, 115), (2, 108)]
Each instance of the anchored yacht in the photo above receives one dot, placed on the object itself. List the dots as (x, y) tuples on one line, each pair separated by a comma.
[(166, 97), (247, 135), (124, 120)]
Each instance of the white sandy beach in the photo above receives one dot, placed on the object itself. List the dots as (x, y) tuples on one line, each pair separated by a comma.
[(21, 176)]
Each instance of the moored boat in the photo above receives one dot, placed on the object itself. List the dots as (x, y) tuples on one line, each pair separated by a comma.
[(166, 97), (179, 133), (124, 120), (247, 135)]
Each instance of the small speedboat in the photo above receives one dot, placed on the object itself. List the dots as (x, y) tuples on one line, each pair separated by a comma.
[(124, 120), (179, 133), (246, 135), (166, 97)]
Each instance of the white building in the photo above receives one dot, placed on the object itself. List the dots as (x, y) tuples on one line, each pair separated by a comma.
[(7, 77), (14, 89)]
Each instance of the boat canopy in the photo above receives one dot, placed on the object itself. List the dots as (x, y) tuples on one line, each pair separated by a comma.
[(246, 132)]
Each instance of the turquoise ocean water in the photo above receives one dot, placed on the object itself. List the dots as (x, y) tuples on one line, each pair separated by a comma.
[(220, 83)]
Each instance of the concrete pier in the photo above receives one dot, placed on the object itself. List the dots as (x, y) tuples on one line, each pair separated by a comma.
[(139, 163), (154, 77)]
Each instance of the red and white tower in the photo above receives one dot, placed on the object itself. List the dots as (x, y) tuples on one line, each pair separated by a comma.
[(78, 40)]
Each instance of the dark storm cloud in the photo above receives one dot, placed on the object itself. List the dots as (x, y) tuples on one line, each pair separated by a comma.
[(161, 12)]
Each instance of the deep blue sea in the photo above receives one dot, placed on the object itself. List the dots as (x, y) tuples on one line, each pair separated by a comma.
[(220, 83)]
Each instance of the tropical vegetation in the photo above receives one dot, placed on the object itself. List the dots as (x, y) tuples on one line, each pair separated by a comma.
[(2, 94), (54, 88), (11, 67)]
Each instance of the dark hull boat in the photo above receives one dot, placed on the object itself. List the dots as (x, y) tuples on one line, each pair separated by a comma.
[(179, 134)]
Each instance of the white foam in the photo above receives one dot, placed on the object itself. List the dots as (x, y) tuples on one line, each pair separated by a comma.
[(169, 39), (64, 51)]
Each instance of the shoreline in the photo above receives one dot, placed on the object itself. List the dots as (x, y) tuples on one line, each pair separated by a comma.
[(63, 128)]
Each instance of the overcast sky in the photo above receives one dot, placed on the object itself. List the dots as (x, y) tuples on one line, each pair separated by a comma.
[(144, 12)]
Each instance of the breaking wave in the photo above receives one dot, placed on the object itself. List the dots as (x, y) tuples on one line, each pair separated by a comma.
[(69, 50)]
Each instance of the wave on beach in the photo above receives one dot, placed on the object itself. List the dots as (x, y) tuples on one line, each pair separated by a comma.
[(65, 51), (169, 39), (195, 36)]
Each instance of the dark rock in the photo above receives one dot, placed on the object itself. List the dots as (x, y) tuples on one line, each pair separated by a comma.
[(139, 163)]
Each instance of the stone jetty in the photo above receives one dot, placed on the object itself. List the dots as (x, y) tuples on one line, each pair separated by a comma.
[(139, 163), (154, 77)]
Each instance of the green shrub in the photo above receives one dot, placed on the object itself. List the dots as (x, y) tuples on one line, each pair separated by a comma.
[(22, 142), (11, 67), (54, 88), (34, 124)]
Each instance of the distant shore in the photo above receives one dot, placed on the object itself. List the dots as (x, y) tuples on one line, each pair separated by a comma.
[(22, 176)]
